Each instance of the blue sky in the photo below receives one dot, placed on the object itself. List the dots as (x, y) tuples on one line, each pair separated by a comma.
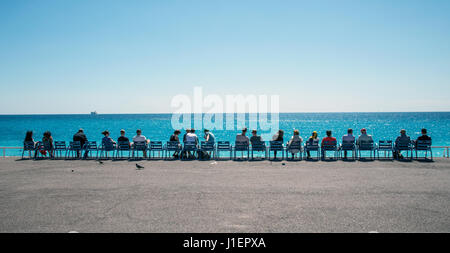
[(134, 56)]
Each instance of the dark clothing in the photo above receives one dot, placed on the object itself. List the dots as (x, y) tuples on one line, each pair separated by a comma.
[(255, 139), (424, 138), (174, 138), (81, 137), (29, 139), (48, 140), (277, 138), (123, 139)]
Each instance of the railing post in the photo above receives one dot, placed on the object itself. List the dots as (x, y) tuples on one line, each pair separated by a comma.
[(4, 152)]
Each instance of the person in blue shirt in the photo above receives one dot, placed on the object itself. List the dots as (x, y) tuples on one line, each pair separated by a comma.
[(107, 141), (209, 137)]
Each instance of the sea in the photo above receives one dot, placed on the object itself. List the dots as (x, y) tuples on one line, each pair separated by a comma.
[(158, 127)]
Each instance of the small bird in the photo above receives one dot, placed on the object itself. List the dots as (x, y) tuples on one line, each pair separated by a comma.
[(100, 162), (139, 167), (283, 164)]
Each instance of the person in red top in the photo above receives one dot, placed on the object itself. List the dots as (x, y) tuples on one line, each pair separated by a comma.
[(330, 141)]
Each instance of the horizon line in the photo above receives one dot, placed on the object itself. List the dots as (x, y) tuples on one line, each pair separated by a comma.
[(150, 113)]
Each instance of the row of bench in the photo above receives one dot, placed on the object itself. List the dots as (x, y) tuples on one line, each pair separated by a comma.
[(103, 151)]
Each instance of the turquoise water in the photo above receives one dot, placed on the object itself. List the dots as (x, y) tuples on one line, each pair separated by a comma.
[(158, 126)]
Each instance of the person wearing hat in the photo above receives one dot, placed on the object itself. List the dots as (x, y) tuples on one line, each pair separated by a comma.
[(312, 138), (81, 137), (107, 141)]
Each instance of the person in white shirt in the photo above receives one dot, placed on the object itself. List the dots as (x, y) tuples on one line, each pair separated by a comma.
[(192, 137), (349, 137), (295, 139), (242, 137), (140, 138)]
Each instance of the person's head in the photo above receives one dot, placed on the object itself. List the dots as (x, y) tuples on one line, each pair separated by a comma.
[(363, 131), (314, 134), (139, 132), (29, 135), (80, 130), (296, 132), (105, 133), (122, 132), (403, 131), (47, 134), (254, 132), (193, 130), (177, 132), (188, 130), (350, 131), (244, 131), (206, 131), (280, 133), (424, 131), (329, 133)]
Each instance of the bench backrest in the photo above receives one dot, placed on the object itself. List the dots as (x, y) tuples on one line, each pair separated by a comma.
[(60, 145), (423, 144), (207, 145), (123, 145), (276, 145), (172, 145), (156, 145), (223, 145), (241, 145), (28, 145), (139, 145)]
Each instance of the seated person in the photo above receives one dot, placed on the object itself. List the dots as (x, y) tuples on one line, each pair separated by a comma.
[(404, 139), (255, 137), (328, 139), (47, 141), (107, 141), (297, 140), (277, 137), (349, 137), (424, 136), (188, 130), (29, 137), (81, 137), (174, 137), (242, 137), (190, 137), (209, 137), (122, 137), (313, 138), (141, 138), (364, 137)]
